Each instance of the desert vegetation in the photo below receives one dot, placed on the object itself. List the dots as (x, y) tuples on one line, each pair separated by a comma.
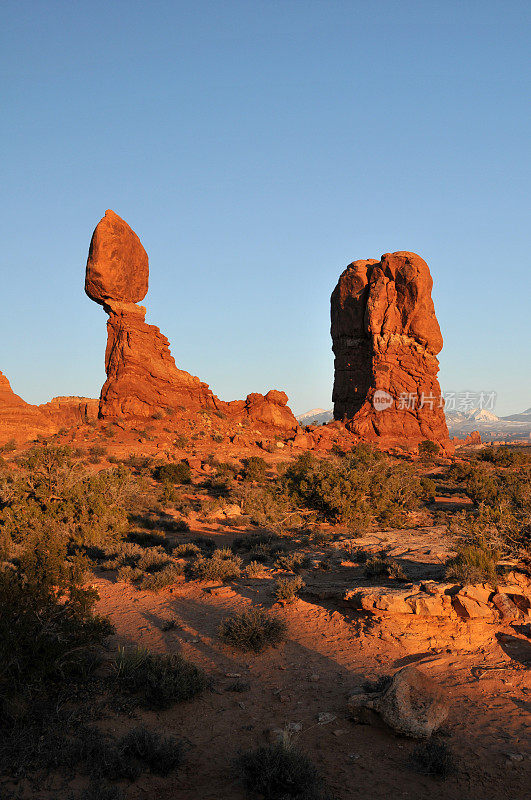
[(293, 524)]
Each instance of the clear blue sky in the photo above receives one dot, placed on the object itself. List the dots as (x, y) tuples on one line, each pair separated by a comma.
[(257, 148)]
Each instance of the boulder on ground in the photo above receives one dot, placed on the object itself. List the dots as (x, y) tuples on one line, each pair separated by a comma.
[(412, 704)]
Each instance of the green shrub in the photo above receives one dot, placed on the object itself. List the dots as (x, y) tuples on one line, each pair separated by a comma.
[(167, 576), (253, 630), (428, 448), (254, 468), (473, 564), (353, 490), (223, 565), (47, 627), (293, 561), (157, 681), (287, 589), (179, 472), (280, 772)]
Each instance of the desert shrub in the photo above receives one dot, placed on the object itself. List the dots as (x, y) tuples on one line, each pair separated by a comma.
[(293, 561), (178, 472), (153, 559), (223, 565), (429, 489), (428, 448), (482, 486), (141, 465), (50, 494), (364, 453), (269, 543), (186, 549), (161, 755), (167, 576), (225, 469), (129, 574), (267, 504), (473, 564), (147, 538), (254, 630), (382, 567), (506, 456), (8, 447), (287, 589), (254, 468), (157, 681), (97, 450), (279, 771), (255, 569), (48, 633), (351, 491), (433, 757), (181, 441)]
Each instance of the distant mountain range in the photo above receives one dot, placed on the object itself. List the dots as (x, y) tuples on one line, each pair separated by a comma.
[(317, 416), (513, 428)]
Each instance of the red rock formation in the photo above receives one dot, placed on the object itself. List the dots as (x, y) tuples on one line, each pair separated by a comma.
[(117, 265), (270, 410), (472, 438), (20, 420), (141, 374), (70, 411), (385, 339), (142, 377)]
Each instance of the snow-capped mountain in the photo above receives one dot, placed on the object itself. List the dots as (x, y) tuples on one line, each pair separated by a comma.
[(317, 416), (516, 427)]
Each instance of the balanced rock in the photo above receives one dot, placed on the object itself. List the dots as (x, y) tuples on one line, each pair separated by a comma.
[(413, 704), (385, 337), (142, 377), (117, 265)]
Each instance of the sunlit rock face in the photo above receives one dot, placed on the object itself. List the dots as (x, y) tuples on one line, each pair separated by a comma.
[(385, 338)]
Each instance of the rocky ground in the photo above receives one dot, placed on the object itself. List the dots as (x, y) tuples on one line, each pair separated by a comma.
[(344, 628)]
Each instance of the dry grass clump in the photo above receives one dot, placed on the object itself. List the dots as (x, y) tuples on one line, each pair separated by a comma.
[(255, 569), (280, 771), (253, 630), (157, 681), (382, 567), (161, 755), (287, 589)]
